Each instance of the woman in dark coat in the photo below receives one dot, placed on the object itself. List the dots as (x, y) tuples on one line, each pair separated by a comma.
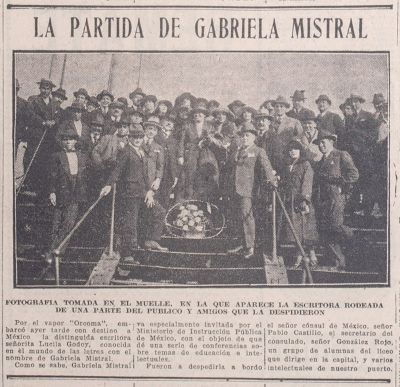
[(297, 183)]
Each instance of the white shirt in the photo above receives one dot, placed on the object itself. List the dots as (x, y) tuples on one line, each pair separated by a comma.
[(73, 162), (78, 127)]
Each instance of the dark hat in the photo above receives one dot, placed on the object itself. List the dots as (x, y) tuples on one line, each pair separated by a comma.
[(212, 104), (200, 107), (294, 144), (236, 103), (357, 97), (324, 135), (17, 85), (345, 103), (298, 95), (181, 109), (97, 120), (165, 102), (260, 116), (117, 105), (68, 133), (201, 101), (248, 109), (309, 116), (264, 104), (249, 127), (152, 121), (149, 97), (83, 92), (223, 110), (103, 93), (123, 100), (93, 101), (228, 129), (378, 99), (60, 93), (183, 96), (77, 106), (135, 92), (124, 120), (46, 82), (130, 110), (281, 100), (136, 131), (323, 97)]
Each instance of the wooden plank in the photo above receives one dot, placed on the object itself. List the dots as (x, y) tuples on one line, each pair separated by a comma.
[(104, 271), (275, 271)]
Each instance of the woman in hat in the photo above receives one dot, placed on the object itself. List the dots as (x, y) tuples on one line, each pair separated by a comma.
[(246, 115), (105, 98), (297, 183), (220, 116), (148, 104), (164, 107)]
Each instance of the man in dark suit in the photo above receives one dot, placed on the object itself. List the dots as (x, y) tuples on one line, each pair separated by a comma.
[(334, 175), (139, 201), (68, 188), (247, 160), (47, 110), (299, 112), (329, 122)]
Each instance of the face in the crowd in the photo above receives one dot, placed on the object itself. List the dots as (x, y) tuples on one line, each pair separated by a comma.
[(248, 139), (105, 100), (323, 105), (136, 141), (81, 99), (116, 112), (356, 104), (69, 144), (280, 109), (263, 124), (168, 126), (310, 127), (220, 117), (198, 117), (247, 116), (76, 114), (136, 99), (294, 153), (45, 91), (298, 103), (123, 130), (162, 108), (136, 118), (149, 106), (90, 108), (183, 114), (57, 98), (96, 133), (348, 111), (325, 146), (186, 102), (150, 131), (379, 107)]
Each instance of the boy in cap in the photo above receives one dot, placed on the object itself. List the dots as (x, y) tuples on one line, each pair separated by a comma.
[(248, 160), (68, 188), (139, 201), (334, 175)]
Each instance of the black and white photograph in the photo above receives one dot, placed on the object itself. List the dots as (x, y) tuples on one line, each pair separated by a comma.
[(201, 169)]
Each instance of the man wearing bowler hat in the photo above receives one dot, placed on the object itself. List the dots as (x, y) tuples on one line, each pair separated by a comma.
[(248, 159), (283, 130), (334, 175), (328, 121), (139, 202), (298, 111)]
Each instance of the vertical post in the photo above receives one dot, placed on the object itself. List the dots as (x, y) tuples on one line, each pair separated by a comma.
[(110, 74), (57, 265), (52, 60), (63, 70), (274, 254), (140, 69), (111, 249)]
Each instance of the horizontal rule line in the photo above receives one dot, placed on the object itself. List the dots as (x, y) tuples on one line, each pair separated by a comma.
[(197, 7), (85, 377)]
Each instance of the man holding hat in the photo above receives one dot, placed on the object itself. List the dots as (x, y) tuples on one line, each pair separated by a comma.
[(327, 121), (68, 188), (283, 130), (139, 202), (136, 97), (334, 175), (248, 160), (299, 111)]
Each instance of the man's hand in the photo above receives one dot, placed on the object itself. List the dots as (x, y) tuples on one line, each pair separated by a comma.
[(105, 190), (180, 160), (149, 199), (156, 184), (53, 199)]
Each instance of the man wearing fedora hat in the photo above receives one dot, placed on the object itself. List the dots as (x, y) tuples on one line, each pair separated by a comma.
[(140, 206), (328, 121), (249, 162), (263, 123), (310, 135), (136, 97), (334, 175), (283, 129), (298, 111), (68, 187)]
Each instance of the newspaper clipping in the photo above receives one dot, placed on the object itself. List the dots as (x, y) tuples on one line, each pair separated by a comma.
[(199, 194)]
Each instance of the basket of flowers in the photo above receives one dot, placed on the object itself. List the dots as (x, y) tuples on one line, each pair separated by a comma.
[(195, 219)]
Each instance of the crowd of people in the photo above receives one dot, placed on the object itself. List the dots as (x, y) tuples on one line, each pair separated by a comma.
[(158, 153)]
